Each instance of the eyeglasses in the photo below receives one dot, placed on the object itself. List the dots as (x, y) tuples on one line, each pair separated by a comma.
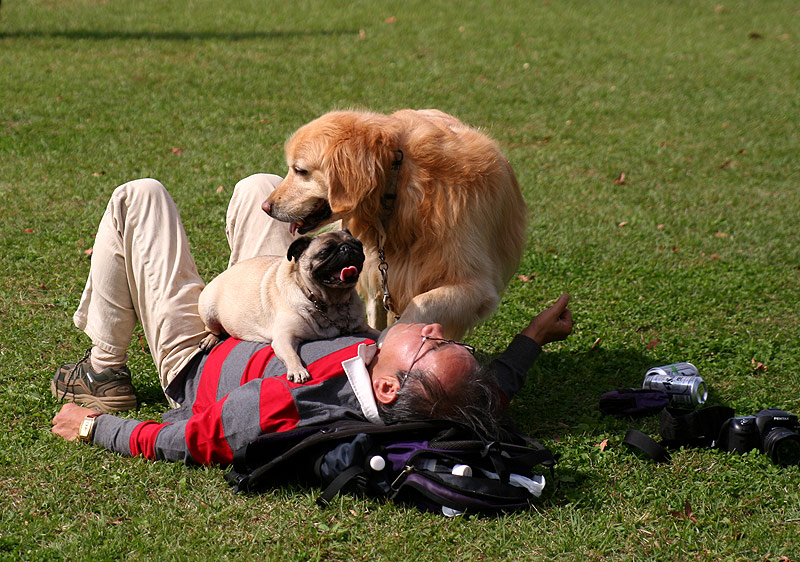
[(441, 342)]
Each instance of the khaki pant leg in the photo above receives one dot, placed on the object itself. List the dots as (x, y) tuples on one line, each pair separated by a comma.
[(142, 268), (251, 232)]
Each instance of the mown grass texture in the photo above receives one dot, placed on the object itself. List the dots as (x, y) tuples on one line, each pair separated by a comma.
[(656, 145)]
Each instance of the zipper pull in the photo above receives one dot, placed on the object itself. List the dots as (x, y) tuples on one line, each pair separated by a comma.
[(401, 477)]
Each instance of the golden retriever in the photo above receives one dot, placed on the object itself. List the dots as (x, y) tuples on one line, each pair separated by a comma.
[(454, 231)]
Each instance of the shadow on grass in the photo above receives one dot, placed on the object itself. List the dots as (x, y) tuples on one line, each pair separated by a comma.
[(151, 393), (563, 390), (560, 403), (169, 35)]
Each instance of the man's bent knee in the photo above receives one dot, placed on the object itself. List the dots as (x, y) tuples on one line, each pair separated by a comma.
[(256, 187), (146, 189)]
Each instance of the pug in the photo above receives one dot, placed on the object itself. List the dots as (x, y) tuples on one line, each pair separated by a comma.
[(309, 295)]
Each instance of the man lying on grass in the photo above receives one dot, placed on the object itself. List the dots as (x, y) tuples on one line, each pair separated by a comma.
[(142, 270)]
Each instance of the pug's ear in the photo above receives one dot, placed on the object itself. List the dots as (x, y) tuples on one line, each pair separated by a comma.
[(297, 248)]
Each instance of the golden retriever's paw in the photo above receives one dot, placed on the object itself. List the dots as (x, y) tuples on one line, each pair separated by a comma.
[(208, 342), (298, 376)]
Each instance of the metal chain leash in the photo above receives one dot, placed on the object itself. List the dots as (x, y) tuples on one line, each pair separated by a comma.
[(383, 268)]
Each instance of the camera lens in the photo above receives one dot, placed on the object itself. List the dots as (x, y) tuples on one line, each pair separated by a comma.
[(783, 446)]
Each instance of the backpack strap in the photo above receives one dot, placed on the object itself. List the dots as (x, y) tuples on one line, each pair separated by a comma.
[(289, 450), (338, 484)]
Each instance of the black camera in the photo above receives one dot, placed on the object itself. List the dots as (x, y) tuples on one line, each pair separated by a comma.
[(772, 431)]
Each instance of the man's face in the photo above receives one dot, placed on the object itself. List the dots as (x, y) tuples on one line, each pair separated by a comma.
[(447, 361)]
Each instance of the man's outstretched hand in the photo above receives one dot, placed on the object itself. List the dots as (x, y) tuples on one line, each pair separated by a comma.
[(67, 422), (553, 324)]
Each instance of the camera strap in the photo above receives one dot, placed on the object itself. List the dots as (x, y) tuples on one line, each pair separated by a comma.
[(681, 428), (639, 441), (693, 428)]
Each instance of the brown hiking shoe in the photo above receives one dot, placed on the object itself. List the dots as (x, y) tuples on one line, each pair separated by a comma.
[(110, 390)]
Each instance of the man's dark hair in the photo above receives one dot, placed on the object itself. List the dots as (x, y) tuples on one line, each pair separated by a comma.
[(473, 402)]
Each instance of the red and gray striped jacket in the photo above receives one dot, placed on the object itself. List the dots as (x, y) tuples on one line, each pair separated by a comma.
[(239, 391)]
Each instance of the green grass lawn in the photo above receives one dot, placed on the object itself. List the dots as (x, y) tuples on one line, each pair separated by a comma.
[(692, 255)]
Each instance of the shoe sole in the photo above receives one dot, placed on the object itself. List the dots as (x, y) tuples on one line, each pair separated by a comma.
[(104, 404)]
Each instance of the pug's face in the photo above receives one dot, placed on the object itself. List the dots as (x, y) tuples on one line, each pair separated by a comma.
[(332, 260)]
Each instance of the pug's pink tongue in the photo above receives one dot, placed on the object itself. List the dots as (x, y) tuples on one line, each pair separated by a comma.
[(348, 273)]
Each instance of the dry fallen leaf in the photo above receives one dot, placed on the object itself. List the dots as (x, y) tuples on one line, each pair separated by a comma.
[(596, 343), (714, 256), (89, 252), (620, 180), (28, 231), (220, 188), (758, 366), (687, 509), (659, 227), (652, 344), (687, 513), (721, 235), (176, 151), (362, 34), (725, 164), (391, 19), (526, 278), (603, 444), (623, 223)]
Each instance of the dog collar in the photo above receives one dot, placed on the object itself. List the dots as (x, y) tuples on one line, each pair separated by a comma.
[(319, 304), (322, 308), (390, 192)]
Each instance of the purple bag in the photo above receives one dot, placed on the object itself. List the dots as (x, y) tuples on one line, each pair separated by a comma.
[(633, 402)]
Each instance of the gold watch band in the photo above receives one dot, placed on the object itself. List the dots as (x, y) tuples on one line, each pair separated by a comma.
[(86, 429)]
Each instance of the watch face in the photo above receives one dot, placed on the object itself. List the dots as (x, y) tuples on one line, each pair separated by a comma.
[(86, 428)]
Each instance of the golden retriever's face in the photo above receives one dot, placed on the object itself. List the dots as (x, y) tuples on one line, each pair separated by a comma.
[(302, 197), (335, 163)]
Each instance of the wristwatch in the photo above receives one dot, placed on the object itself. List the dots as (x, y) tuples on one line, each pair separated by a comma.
[(86, 429)]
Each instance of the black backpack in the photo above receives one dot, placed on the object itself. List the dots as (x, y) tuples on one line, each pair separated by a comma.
[(440, 467)]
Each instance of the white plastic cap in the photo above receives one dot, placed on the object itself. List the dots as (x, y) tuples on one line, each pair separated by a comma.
[(377, 463)]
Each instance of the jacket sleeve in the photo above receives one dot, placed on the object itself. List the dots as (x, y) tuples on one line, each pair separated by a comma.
[(512, 366), (207, 436), (153, 440), (114, 433)]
